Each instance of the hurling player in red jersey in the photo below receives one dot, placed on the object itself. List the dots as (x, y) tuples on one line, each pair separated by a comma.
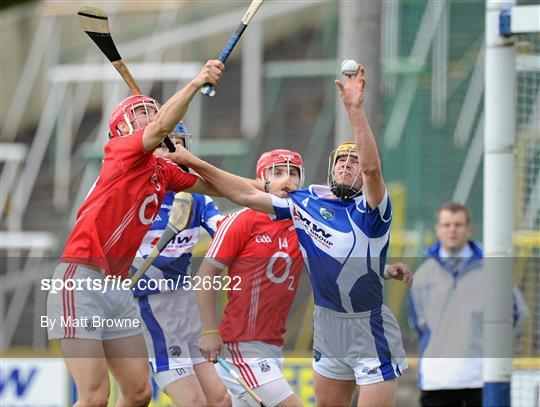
[(265, 266), (98, 325), (263, 257)]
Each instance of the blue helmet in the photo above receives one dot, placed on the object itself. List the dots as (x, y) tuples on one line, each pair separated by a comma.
[(180, 130)]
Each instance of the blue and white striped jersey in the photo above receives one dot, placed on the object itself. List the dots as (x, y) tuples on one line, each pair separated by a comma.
[(175, 259), (344, 244)]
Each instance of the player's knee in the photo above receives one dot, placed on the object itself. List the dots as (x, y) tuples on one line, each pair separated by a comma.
[(97, 399), (220, 399), (146, 394), (97, 395), (193, 398), (330, 399), (140, 395)]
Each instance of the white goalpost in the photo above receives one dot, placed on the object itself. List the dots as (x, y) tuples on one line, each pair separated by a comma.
[(503, 21)]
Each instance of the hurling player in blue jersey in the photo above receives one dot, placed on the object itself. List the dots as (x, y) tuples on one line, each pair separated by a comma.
[(343, 230), (172, 324)]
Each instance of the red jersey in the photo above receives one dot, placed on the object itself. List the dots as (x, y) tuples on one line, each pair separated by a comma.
[(265, 257), (122, 205)]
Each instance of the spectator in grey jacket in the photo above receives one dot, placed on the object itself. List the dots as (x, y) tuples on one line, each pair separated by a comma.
[(446, 309)]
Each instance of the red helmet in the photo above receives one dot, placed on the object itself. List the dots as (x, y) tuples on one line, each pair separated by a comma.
[(279, 157), (125, 112)]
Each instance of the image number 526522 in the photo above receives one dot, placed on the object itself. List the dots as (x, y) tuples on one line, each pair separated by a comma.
[(225, 283)]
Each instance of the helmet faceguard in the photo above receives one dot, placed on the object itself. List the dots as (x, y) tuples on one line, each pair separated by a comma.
[(128, 111), (270, 160), (343, 191), (180, 131)]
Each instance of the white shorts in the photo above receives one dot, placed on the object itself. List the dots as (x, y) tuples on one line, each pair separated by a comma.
[(86, 313), (365, 347), (172, 329), (163, 379), (259, 364)]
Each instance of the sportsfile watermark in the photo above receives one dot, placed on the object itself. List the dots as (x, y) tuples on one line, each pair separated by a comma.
[(110, 283), (267, 282)]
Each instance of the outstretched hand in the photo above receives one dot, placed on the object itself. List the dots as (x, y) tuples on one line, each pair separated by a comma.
[(352, 91), (282, 186), (400, 272), (181, 156)]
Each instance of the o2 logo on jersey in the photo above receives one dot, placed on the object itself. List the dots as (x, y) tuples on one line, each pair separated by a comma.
[(327, 213), (280, 279), (152, 199)]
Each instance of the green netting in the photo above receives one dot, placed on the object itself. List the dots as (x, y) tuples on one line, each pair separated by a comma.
[(427, 159)]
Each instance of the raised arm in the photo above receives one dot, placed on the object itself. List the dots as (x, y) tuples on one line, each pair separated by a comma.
[(352, 95), (174, 109)]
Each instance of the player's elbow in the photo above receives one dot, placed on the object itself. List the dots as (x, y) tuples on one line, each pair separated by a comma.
[(154, 133), (241, 200), (251, 199), (161, 130), (239, 197), (208, 269)]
